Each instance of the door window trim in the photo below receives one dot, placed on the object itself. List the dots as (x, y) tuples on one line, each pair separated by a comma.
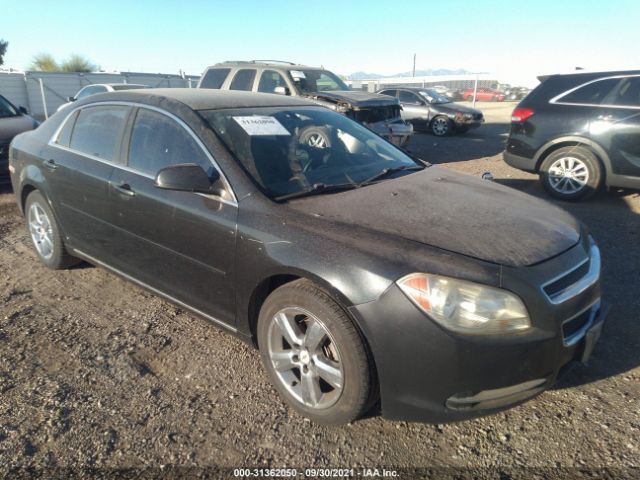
[(557, 99), (233, 201)]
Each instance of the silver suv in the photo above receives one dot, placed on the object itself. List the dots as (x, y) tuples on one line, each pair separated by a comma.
[(379, 113)]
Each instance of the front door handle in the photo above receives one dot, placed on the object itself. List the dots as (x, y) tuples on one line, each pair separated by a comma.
[(51, 164), (125, 189)]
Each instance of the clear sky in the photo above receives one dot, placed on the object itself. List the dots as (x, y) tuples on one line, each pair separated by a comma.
[(514, 40)]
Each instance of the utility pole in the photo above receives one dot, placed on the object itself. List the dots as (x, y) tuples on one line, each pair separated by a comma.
[(414, 65)]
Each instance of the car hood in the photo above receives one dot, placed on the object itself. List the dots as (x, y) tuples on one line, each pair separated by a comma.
[(454, 108), (454, 212), (356, 99), (12, 126)]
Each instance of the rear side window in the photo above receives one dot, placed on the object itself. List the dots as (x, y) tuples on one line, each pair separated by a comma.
[(270, 80), (592, 93), (214, 78), (158, 141), (243, 80), (391, 93), (628, 95), (64, 137), (98, 131)]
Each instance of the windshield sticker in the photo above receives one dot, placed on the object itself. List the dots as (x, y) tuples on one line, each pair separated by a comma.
[(261, 125), (297, 74)]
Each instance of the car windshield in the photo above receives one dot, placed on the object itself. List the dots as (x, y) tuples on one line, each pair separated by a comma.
[(434, 97), (291, 150), (310, 81), (6, 109)]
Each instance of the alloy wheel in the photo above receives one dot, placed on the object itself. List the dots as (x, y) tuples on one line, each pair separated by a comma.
[(568, 175), (440, 126), (305, 358), (41, 231)]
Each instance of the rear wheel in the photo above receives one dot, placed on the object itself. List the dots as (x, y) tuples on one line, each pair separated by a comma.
[(45, 233), (571, 173), (314, 354)]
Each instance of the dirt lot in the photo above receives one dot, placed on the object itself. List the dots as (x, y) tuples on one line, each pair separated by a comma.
[(96, 373)]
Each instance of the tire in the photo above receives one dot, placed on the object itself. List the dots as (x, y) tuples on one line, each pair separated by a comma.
[(316, 137), (583, 176), (45, 233), (470, 98), (301, 328), (440, 126)]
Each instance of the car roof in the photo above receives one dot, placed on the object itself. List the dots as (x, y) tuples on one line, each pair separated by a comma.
[(588, 75), (275, 64), (202, 98)]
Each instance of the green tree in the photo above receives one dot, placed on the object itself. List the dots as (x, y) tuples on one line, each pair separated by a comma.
[(3, 49), (44, 62), (78, 63)]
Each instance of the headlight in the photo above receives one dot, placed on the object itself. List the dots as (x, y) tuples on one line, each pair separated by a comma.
[(466, 307), (468, 115)]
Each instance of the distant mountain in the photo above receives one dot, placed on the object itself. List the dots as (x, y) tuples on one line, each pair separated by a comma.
[(419, 73)]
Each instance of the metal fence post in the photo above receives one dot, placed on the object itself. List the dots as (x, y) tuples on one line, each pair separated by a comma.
[(475, 91), (44, 101)]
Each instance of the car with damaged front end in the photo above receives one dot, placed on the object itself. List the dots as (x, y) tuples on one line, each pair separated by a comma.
[(376, 112), (361, 274)]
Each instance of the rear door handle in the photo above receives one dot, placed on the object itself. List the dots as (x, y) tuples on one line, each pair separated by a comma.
[(125, 189), (51, 164)]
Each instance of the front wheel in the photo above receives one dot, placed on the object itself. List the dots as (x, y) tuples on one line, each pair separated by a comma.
[(440, 126), (314, 355), (571, 173)]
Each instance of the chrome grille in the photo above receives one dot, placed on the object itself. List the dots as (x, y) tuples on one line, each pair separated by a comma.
[(576, 280)]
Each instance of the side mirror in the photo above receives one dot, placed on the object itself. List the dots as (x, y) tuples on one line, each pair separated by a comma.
[(23, 110), (71, 99), (281, 91), (188, 177)]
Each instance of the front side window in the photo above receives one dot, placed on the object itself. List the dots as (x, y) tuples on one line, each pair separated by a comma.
[(310, 81), (98, 131), (158, 141), (290, 150), (269, 80), (6, 109), (243, 80), (408, 98), (214, 78), (592, 93)]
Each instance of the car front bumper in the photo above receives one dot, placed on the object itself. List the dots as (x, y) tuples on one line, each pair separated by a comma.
[(429, 374)]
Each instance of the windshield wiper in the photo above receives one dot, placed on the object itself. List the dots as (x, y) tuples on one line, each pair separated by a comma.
[(386, 171), (317, 188)]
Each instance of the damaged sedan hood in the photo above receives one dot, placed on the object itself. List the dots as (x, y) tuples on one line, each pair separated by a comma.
[(454, 212), (356, 99)]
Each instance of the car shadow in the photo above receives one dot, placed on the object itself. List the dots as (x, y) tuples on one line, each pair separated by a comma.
[(616, 227), (486, 141)]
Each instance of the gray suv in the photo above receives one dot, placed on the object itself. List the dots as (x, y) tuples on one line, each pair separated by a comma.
[(379, 113)]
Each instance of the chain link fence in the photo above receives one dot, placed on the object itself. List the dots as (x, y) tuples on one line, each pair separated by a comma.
[(41, 93)]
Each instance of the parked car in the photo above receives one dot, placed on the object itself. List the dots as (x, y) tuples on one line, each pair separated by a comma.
[(428, 110), (101, 88), (579, 131), (13, 120), (380, 114), (484, 95), (357, 270), (452, 93), (516, 93)]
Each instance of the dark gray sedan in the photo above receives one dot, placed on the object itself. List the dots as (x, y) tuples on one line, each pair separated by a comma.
[(429, 110), (13, 120)]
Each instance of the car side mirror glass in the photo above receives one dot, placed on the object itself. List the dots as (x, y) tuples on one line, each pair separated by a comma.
[(281, 91), (23, 110), (188, 177)]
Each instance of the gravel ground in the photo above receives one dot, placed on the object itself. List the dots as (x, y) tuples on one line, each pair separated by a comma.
[(98, 376)]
